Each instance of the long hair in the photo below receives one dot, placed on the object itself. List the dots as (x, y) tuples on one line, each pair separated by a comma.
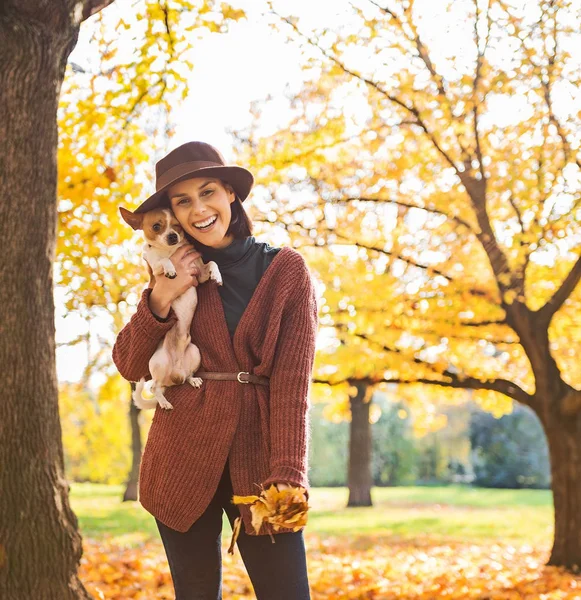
[(240, 223)]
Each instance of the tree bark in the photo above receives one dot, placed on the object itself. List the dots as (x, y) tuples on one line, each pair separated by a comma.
[(131, 491), (40, 545), (558, 407), (564, 440), (359, 476)]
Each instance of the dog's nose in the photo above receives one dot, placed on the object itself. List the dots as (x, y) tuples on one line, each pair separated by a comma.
[(172, 239)]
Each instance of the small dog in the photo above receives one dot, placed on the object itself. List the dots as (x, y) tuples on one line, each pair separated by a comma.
[(176, 358)]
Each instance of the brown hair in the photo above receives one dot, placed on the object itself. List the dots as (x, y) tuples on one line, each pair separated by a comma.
[(240, 223)]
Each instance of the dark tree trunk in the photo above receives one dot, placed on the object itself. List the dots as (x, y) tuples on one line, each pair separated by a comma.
[(564, 440), (40, 543), (359, 477), (133, 480), (558, 407)]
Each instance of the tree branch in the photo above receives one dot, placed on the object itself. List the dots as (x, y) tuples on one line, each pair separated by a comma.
[(406, 205), (476, 190), (546, 83), (509, 388), (427, 268), (410, 109), (92, 7), (424, 332), (414, 38), (477, 77), (569, 284), (423, 53)]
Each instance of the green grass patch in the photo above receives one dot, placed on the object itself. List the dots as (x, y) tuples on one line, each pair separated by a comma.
[(457, 512), (454, 512)]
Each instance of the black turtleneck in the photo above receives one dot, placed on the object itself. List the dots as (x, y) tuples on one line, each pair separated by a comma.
[(242, 264)]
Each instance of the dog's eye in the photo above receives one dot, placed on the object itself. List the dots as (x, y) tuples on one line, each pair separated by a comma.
[(156, 227)]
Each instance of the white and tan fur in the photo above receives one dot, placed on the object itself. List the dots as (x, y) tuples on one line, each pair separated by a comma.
[(176, 358)]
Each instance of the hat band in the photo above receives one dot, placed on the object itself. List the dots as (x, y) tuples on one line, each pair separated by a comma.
[(182, 169)]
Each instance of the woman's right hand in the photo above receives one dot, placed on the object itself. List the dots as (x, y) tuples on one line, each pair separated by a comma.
[(166, 290)]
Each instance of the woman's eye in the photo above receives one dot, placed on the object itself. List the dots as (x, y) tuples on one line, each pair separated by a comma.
[(209, 192), (183, 201)]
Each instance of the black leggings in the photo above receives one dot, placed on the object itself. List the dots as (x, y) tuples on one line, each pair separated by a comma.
[(277, 571)]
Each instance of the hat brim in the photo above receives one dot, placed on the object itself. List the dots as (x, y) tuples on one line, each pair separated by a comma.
[(239, 178)]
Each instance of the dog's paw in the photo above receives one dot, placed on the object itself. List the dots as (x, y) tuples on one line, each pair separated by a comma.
[(195, 381), (215, 272), (164, 403), (171, 274)]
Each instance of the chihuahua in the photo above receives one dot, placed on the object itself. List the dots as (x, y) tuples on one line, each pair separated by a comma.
[(176, 358)]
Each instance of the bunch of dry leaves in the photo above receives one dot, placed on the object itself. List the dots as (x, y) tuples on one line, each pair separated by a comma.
[(286, 508)]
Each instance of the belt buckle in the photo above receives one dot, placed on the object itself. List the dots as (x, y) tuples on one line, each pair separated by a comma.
[(242, 373)]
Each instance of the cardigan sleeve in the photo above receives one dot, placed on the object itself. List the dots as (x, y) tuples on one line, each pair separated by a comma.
[(139, 339), (290, 381)]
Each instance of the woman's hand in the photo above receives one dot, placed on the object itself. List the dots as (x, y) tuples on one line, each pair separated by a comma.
[(166, 290), (282, 486)]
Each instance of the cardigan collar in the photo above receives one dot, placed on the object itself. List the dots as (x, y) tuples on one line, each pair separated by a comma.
[(227, 256), (210, 309)]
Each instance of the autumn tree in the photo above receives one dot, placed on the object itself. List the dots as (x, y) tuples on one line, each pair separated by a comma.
[(40, 545), (477, 142)]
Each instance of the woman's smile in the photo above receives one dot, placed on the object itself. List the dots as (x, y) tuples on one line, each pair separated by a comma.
[(207, 224)]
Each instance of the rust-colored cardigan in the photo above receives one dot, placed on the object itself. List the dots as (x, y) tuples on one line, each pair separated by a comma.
[(264, 430)]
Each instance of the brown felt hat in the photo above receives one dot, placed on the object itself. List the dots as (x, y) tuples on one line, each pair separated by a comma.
[(195, 159)]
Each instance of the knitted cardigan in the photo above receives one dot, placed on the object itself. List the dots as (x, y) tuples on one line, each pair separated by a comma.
[(264, 430)]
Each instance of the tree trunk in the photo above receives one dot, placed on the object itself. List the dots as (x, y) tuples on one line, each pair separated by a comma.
[(564, 441), (133, 480), (359, 477), (40, 543)]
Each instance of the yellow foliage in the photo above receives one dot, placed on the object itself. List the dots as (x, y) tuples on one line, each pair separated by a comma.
[(494, 402), (110, 135), (286, 508), (95, 429), (380, 149)]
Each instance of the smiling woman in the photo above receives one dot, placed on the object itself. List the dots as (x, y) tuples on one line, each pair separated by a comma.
[(247, 426)]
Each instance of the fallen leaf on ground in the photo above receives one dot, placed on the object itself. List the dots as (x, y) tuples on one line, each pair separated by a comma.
[(377, 566)]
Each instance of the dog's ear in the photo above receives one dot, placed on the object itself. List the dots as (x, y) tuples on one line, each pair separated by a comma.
[(136, 221)]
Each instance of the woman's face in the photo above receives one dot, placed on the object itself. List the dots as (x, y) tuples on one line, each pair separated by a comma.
[(200, 200)]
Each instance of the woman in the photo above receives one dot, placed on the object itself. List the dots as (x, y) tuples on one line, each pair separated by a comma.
[(247, 426)]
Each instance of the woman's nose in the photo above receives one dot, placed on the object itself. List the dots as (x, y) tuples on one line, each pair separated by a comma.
[(198, 206)]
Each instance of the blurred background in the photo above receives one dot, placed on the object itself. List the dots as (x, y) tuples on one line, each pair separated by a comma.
[(423, 156)]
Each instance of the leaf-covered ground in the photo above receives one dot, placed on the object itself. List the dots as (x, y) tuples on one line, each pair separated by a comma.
[(415, 543), (365, 567)]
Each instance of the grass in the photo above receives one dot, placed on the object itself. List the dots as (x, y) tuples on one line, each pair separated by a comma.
[(446, 513)]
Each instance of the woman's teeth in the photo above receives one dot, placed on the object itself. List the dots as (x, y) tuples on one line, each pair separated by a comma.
[(205, 224)]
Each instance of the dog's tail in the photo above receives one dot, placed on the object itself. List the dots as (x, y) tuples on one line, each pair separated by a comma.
[(143, 396)]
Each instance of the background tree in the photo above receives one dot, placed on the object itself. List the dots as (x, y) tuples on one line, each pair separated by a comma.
[(476, 144), (41, 545)]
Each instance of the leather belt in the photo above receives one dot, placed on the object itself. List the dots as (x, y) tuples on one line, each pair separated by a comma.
[(241, 376)]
